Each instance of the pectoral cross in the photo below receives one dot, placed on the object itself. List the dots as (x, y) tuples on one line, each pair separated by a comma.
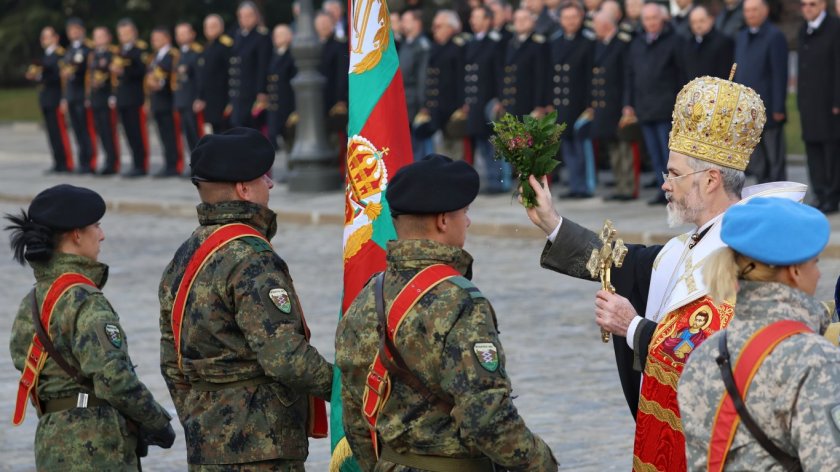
[(610, 254)]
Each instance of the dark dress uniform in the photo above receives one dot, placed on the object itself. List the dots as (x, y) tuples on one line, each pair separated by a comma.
[(104, 116), (546, 24), (75, 93), (281, 96), (482, 83), (162, 71), (525, 74), (445, 86), (712, 55), (569, 72), (335, 61), (49, 99), (186, 92), (248, 65), (818, 91), (213, 66), (606, 96), (130, 99)]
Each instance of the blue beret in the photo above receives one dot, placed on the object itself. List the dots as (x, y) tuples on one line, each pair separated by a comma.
[(237, 155), (775, 231), (65, 207), (435, 184)]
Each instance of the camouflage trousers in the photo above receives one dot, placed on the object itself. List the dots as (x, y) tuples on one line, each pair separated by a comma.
[(278, 465), (84, 439)]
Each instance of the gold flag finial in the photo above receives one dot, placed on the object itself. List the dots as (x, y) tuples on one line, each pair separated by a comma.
[(732, 71)]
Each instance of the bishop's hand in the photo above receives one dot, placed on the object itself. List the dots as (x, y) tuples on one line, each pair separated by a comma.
[(543, 214), (613, 312)]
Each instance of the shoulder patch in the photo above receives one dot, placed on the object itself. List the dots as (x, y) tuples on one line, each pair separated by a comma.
[(465, 284), (487, 356), (258, 244), (111, 336), (226, 40), (280, 298), (538, 38), (195, 47)]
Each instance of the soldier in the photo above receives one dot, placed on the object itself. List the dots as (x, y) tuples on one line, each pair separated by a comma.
[(544, 24), (335, 61), (74, 73), (160, 80), (281, 96), (234, 343), (248, 63), (482, 78), (414, 64), (570, 69), (525, 68), (48, 75), (779, 375), (186, 87), (449, 405), (444, 77), (102, 100), (606, 94), (501, 20), (336, 10), (129, 68), (93, 411), (213, 68)]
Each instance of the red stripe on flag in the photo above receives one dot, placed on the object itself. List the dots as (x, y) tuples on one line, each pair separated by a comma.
[(144, 132), (179, 142), (369, 260), (199, 123), (387, 126)]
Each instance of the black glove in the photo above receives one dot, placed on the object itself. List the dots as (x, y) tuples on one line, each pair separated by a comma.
[(162, 438)]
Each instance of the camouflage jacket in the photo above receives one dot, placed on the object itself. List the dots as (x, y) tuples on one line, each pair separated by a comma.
[(86, 331), (793, 397), (441, 340), (234, 331)]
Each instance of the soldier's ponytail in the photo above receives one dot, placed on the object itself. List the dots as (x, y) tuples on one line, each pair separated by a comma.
[(29, 240), (724, 267)]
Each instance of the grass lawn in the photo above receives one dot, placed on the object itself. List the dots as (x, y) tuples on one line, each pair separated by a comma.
[(19, 104)]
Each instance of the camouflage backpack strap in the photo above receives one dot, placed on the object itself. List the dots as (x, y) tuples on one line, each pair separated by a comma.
[(388, 360), (218, 239), (731, 409), (41, 346)]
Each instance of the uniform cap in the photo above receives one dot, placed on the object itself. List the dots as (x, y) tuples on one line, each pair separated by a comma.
[(66, 207), (775, 231), (435, 184), (237, 155)]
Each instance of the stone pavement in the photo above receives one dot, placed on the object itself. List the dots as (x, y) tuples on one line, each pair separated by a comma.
[(563, 376)]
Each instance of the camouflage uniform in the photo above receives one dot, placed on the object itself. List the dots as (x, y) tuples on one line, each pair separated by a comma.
[(93, 438), (233, 331), (793, 394), (437, 340)]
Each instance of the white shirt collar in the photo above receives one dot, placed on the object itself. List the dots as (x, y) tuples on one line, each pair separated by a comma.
[(162, 52), (50, 49), (480, 36), (77, 44), (185, 48), (817, 22)]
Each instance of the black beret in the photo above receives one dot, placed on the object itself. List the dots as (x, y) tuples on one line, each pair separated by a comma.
[(435, 184), (65, 207), (237, 155)]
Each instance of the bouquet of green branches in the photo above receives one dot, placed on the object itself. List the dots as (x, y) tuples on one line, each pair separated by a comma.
[(530, 145)]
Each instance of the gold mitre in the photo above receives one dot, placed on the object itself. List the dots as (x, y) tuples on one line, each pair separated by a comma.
[(718, 121)]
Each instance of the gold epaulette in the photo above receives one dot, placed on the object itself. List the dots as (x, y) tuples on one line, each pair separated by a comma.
[(175, 53), (226, 40), (538, 38), (197, 48), (60, 51), (88, 43), (140, 44), (114, 49)]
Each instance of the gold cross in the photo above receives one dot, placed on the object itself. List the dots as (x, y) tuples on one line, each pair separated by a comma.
[(611, 253)]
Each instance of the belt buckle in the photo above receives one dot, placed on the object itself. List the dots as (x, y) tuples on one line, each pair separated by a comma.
[(82, 400), (381, 382)]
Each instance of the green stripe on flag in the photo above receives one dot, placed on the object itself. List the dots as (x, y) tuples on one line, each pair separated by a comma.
[(367, 88)]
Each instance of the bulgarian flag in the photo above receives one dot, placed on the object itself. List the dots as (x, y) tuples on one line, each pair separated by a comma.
[(378, 144)]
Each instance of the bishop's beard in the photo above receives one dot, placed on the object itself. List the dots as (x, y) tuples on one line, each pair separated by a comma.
[(684, 210)]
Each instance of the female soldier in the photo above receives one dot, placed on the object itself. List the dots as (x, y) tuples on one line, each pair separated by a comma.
[(762, 394), (93, 410)]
